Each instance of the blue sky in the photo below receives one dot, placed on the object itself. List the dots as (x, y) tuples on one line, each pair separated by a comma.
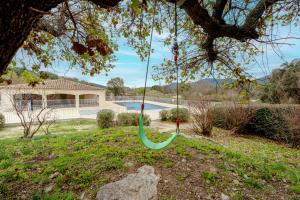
[(129, 67)]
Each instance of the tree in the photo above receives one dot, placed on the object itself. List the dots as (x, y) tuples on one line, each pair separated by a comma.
[(283, 85), (115, 86), (184, 90), (82, 32)]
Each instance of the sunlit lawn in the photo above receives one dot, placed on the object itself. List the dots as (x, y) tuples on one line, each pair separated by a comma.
[(86, 157)]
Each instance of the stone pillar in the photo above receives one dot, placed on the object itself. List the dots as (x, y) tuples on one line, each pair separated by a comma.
[(101, 96), (44, 100), (77, 101)]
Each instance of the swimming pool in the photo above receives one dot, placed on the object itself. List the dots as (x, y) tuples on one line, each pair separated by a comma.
[(137, 106)]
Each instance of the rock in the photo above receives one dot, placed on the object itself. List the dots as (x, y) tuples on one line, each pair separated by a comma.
[(44, 182), (52, 156), (183, 160), (213, 169), (54, 175), (84, 196), (137, 186), (224, 197), (49, 188), (18, 154), (236, 182)]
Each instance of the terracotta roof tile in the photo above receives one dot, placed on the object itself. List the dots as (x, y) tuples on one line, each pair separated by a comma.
[(63, 84)]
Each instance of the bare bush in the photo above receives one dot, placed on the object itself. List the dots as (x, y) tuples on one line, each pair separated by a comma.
[(32, 118), (239, 115), (50, 120), (232, 116), (202, 118)]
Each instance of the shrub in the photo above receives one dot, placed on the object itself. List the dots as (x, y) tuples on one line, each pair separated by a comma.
[(232, 116), (220, 117), (239, 115), (183, 114), (147, 119), (126, 119), (2, 121), (269, 123), (202, 118), (295, 139), (164, 115), (131, 119), (105, 118)]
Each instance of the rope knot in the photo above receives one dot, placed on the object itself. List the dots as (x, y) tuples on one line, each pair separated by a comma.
[(142, 106), (175, 48), (177, 123), (175, 52)]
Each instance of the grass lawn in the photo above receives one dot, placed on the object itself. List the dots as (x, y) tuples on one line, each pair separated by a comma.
[(83, 158)]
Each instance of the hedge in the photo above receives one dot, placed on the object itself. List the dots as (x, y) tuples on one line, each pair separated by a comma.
[(131, 119)]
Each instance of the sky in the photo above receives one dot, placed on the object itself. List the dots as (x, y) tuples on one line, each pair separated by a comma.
[(129, 67)]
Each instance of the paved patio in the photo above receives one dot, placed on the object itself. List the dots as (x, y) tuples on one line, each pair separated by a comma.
[(89, 112)]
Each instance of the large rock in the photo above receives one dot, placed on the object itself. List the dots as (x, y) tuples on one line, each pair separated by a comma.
[(137, 186)]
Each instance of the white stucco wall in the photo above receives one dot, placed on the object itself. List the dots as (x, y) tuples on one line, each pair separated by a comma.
[(6, 95)]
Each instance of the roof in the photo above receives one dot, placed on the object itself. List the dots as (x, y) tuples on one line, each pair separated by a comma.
[(61, 84)]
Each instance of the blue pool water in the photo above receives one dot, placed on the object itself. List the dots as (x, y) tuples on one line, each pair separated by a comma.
[(129, 105), (137, 106)]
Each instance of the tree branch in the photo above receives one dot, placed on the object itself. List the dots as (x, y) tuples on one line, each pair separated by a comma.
[(257, 12), (219, 7)]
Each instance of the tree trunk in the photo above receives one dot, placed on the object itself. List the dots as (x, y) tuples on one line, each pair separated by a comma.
[(17, 18)]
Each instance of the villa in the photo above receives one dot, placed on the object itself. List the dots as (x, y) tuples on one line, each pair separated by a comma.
[(53, 94), (67, 98)]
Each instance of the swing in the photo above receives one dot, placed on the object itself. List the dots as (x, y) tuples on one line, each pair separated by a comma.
[(147, 142)]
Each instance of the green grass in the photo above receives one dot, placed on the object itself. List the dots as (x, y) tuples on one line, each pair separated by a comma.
[(262, 148), (209, 177), (87, 160)]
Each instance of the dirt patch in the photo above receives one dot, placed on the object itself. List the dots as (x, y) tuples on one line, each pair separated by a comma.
[(182, 181), (160, 126)]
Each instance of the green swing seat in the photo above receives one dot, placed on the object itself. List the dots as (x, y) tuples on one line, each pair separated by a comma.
[(148, 143)]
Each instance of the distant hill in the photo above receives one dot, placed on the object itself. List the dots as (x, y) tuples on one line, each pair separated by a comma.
[(210, 82), (263, 80), (82, 81)]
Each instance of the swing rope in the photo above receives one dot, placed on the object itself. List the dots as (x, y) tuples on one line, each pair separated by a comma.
[(147, 142)]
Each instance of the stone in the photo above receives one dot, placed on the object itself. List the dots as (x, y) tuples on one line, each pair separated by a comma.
[(236, 182), (49, 188), (54, 175), (213, 169), (18, 154), (52, 156), (224, 197), (183, 160), (234, 174), (141, 185), (84, 196)]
